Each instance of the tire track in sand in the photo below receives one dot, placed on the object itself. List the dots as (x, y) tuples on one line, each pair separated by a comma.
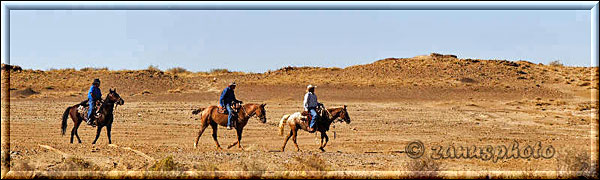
[(149, 158), (65, 155)]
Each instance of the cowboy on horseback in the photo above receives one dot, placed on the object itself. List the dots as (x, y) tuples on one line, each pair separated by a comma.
[(311, 104), (226, 100), (94, 95)]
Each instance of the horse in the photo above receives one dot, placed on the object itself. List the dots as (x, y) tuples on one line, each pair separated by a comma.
[(104, 119), (211, 116), (325, 120)]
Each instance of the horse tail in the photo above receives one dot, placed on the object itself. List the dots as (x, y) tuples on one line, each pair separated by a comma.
[(282, 122), (198, 111), (64, 120)]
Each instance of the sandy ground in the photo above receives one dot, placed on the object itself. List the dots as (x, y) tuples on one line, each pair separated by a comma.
[(445, 103), (151, 128)]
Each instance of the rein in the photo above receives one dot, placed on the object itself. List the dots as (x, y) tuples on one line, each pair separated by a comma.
[(246, 112), (108, 102)]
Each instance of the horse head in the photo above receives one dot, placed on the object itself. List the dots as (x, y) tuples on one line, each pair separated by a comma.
[(262, 113), (113, 96), (342, 114)]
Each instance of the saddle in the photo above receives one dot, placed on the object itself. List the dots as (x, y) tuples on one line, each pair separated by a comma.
[(235, 107), (306, 121), (82, 110)]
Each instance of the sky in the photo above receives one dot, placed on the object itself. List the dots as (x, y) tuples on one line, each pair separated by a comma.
[(262, 40)]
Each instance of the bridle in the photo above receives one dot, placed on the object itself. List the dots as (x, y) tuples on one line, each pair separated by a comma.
[(249, 115)]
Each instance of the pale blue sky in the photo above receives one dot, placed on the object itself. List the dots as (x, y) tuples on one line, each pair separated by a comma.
[(261, 40)]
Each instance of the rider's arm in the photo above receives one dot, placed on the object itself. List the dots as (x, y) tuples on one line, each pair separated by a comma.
[(222, 98), (306, 101)]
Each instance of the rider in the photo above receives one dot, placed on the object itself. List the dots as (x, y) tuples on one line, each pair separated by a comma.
[(310, 105), (94, 95), (227, 99)]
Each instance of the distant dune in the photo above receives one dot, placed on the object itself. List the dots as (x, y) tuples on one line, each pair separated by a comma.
[(434, 71)]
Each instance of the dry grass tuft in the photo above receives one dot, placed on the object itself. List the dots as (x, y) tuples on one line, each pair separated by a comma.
[(423, 167), (219, 71), (309, 163), (556, 63), (93, 69), (576, 165), (153, 69), (167, 164), (177, 70), (77, 164)]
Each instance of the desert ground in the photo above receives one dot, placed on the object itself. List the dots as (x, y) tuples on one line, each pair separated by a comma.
[(436, 99)]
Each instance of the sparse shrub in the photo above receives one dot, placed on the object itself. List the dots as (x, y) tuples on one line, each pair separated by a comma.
[(219, 71), (167, 164), (423, 167), (206, 166), (309, 163), (77, 164), (93, 69), (153, 68), (177, 70), (251, 165), (555, 63), (577, 165)]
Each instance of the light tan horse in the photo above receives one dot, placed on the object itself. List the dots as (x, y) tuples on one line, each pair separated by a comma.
[(322, 125), (210, 116)]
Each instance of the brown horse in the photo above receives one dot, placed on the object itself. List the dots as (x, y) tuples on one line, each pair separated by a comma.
[(322, 125), (210, 116), (105, 119)]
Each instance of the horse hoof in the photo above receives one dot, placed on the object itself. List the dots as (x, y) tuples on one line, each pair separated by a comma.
[(322, 150)]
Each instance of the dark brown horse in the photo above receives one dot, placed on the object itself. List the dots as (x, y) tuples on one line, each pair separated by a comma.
[(210, 116), (105, 119), (322, 125)]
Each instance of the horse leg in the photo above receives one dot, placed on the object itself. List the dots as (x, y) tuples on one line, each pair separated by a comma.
[(295, 131), (97, 134), (73, 131), (214, 135), (324, 135), (108, 128), (76, 133), (321, 145), (239, 133), (239, 136), (202, 128), (286, 140)]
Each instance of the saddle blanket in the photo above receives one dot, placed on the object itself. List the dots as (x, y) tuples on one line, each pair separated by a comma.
[(83, 111)]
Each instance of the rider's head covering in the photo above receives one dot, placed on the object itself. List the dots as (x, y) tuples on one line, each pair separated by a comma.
[(232, 84), (96, 81), (310, 86)]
